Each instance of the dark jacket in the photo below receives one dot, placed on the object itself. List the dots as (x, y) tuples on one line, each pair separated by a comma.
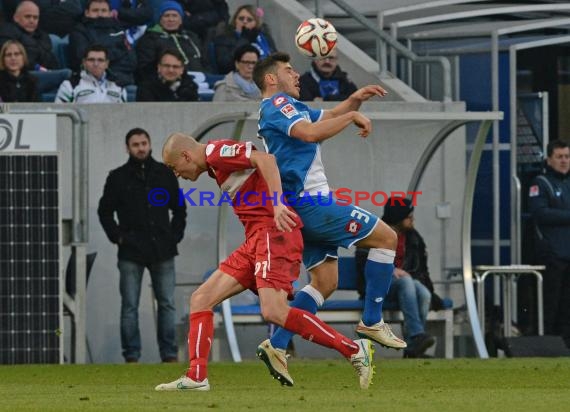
[(23, 88), (550, 209), (156, 40), (311, 87), (59, 18), (109, 33), (145, 233), (221, 49), (203, 15), (139, 14), (156, 90), (37, 45)]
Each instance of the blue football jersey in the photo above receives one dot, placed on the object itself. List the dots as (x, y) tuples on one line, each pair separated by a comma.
[(299, 163)]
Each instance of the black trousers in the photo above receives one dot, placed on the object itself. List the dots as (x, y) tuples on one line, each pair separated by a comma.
[(556, 292)]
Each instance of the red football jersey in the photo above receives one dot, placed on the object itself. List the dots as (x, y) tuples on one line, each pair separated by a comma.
[(229, 163)]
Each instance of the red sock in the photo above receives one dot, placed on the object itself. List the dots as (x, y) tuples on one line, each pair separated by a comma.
[(311, 328), (200, 338)]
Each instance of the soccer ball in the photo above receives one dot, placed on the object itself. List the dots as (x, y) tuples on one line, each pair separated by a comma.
[(315, 38)]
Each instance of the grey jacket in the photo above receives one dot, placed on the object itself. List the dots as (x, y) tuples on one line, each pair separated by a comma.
[(227, 90)]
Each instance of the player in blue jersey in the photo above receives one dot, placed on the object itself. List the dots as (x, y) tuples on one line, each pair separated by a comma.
[(292, 132)]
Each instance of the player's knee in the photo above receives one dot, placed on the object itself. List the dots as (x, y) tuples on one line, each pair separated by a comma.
[(388, 238), (391, 238), (325, 286), (275, 313), (198, 301)]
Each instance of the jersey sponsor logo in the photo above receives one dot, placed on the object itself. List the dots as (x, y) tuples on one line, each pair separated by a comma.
[(533, 191), (230, 150), (353, 227), (289, 111), (279, 100)]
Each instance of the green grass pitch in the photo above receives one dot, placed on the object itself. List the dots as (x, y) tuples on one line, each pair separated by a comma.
[(321, 386)]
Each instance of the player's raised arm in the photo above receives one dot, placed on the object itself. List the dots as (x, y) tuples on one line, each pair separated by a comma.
[(325, 129), (355, 100), (267, 166)]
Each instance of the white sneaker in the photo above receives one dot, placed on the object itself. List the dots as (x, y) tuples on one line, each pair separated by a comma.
[(362, 362), (381, 333), (276, 361), (184, 383)]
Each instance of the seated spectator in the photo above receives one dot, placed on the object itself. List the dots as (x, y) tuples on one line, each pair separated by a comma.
[(200, 16), (58, 16), (326, 81), (92, 85), (24, 29), (16, 83), (411, 290), (135, 15), (99, 28), (169, 34), (245, 28), (238, 85), (170, 84)]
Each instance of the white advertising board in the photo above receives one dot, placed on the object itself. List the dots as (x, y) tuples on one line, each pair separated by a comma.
[(28, 133)]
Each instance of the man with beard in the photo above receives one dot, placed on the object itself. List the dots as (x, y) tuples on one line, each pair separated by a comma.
[(146, 235), (326, 81)]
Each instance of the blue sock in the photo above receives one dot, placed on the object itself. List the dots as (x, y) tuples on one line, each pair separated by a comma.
[(309, 299), (378, 274)]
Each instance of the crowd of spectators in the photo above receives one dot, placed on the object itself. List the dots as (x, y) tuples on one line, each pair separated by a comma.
[(149, 48)]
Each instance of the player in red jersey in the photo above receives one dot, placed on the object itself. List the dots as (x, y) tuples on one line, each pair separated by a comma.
[(268, 262)]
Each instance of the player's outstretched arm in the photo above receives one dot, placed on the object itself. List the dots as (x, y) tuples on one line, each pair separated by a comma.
[(267, 166), (355, 100), (325, 129)]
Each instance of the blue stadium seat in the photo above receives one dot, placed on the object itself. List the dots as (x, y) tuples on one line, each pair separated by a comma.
[(60, 47)]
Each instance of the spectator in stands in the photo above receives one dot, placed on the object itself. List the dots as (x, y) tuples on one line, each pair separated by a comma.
[(57, 16), (135, 15), (99, 27), (24, 29), (411, 290), (201, 16), (238, 85), (92, 84), (170, 84), (549, 204), (169, 34), (326, 81), (16, 83), (246, 27), (146, 237)]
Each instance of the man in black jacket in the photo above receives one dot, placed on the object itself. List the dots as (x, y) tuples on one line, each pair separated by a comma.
[(37, 43), (98, 27), (170, 84), (326, 81), (142, 193), (549, 204), (58, 16)]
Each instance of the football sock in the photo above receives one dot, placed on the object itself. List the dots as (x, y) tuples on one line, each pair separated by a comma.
[(311, 328), (308, 299), (199, 343), (378, 275)]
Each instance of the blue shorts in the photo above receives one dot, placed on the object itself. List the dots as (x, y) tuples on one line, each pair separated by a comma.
[(328, 226)]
